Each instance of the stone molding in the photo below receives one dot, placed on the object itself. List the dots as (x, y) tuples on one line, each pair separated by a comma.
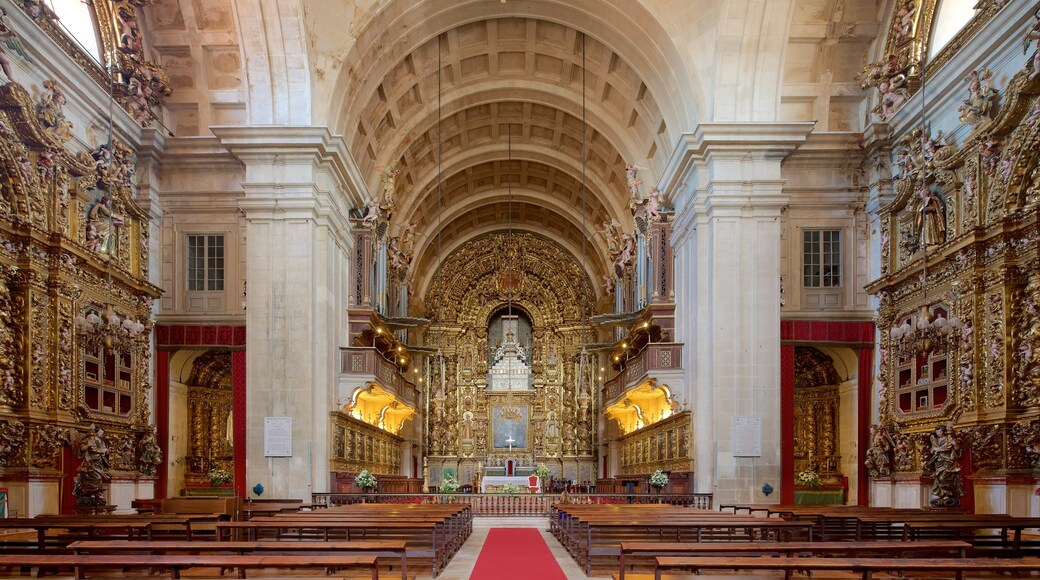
[(709, 169), (296, 173)]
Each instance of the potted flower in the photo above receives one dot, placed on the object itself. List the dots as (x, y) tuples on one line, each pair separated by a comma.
[(449, 484), (219, 476), (510, 488), (807, 479), (542, 472), (658, 480), (366, 481)]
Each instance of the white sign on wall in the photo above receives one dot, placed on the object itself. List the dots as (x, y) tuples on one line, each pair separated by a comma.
[(277, 436), (747, 437)]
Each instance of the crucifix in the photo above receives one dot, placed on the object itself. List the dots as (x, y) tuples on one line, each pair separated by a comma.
[(510, 441)]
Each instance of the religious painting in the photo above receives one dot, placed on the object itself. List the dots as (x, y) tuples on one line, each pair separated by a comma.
[(509, 426)]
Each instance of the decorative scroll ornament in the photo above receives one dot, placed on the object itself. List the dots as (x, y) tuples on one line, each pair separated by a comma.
[(12, 443), (1024, 445)]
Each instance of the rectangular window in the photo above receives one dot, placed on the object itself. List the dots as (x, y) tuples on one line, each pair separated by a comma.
[(821, 258), (205, 262)]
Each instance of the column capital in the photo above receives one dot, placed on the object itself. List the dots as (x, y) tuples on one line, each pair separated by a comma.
[(766, 141), (729, 167), (295, 173), (293, 159)]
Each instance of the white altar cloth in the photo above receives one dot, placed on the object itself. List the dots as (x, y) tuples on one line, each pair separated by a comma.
[(497, 480)]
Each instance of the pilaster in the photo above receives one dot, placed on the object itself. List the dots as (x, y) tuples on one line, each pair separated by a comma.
[(300, 183), (725, 181)]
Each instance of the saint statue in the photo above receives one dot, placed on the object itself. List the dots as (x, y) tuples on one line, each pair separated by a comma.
[(944, 466), (930, 219), (101, 224)]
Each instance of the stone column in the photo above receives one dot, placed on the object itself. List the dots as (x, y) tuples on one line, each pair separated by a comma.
[(299, 184), (725, 181)]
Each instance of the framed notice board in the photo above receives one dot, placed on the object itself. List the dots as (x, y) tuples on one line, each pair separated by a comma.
[(277, 436)]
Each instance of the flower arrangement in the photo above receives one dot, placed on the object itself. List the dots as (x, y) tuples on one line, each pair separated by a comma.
[(449, 484), (365, 480), (510, 488), (808, 479), (658, 479), (218, 475), (542, 472)]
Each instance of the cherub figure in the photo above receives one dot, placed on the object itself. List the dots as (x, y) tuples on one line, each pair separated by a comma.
[(374, 212), (892, 97), (1007, 166), (905, 28), (633, 185), (989, 151), (624, 257), (612, 234)]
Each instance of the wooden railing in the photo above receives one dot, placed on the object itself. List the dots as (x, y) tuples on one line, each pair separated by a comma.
[(521, 504), (662, 356)]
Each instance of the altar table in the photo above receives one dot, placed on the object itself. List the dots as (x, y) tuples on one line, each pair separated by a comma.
[(497, 480)]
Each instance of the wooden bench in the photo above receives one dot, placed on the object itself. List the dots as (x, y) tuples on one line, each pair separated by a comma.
[(417, 532), (176, 563), (393, 549), (865, 567), (630, 550), (588, 531)]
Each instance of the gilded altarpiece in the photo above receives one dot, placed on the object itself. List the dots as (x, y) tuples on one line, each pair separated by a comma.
[(978, 204), (210, 445), (548, 287), (664, 445), (816, 411), (73, 254), (356, 445)]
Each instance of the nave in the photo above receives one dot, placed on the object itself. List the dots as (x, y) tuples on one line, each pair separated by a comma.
[(440, 539)]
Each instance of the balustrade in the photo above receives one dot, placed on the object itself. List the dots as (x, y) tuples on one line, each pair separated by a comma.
[(366, 364), (664, 356), (521, 504)]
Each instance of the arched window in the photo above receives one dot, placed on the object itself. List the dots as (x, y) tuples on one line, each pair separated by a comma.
[(950, 18), (78, 21)]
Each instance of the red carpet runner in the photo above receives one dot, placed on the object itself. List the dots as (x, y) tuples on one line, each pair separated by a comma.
[(516, 554)]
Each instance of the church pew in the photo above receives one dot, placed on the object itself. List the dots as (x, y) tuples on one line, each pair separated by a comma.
[(590, 531), (630, 550), (865, 567), (388, 548), (176, 563)]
